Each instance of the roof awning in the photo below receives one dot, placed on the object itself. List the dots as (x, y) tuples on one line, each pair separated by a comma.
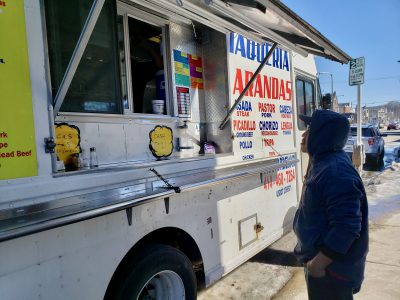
[(269, 20), (303, 34)]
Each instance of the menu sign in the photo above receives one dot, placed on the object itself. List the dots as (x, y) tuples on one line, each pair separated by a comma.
[(262, 122), (17, 137)]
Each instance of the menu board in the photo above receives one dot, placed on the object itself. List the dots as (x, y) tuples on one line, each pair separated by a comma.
[(188, 69), (263, 120), (17, 136)]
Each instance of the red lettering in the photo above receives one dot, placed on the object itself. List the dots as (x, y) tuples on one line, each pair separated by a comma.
[(24, 153), (267, 86), (268, 182), (258, 88), (238, 86), (269, 142), (269, 133), (289, 90), (275, 87), (266, 107), (286, 125), (282, 92), (243, 125), (248, 76), (241, 113)]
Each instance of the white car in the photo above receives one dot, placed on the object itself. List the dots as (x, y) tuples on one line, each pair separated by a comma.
[(374, 145)]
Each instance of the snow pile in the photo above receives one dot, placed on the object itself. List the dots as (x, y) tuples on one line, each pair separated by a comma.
[(253, 281), (383, 191)]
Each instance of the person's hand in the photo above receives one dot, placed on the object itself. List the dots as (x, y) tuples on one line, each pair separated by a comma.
[(317, 266), (315, 269)]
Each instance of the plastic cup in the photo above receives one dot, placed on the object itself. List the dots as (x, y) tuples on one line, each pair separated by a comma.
[(158, 106)]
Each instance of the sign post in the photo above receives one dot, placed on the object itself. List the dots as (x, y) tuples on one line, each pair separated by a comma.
[(356, 77)]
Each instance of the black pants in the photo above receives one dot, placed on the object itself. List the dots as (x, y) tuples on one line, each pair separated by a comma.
[(328, 288)]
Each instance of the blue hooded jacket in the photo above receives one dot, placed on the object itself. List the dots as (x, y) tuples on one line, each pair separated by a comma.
[(332, 216)]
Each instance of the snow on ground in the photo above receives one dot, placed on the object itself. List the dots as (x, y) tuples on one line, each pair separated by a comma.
[(383, 190)]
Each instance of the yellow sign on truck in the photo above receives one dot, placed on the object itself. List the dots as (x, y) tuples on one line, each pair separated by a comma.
[(17, 137)]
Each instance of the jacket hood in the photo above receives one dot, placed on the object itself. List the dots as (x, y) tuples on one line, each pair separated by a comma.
[(328, 132)]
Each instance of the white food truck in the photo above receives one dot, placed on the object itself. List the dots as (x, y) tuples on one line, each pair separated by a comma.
[(148, 147)]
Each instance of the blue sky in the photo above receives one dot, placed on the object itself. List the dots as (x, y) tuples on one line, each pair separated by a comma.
[(366, 28)]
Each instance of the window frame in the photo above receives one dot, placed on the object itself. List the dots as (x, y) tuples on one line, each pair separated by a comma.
[(305, 80), (127, 11), (51, 84)]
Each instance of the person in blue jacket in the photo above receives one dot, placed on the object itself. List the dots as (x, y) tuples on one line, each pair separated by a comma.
[(331, 222)]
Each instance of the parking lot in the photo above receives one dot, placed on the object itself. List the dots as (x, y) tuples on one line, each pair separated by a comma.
[(275, 274)]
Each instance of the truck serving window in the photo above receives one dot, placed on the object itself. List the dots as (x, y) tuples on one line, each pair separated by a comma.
[(142, 80), (305, 98), (95, 87)]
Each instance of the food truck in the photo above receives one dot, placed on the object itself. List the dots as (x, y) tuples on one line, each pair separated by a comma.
[(148, 148)]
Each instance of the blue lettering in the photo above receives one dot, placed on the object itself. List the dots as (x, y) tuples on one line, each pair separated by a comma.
[(247, 157), (285, 61), (246, 145), (251, 49), (244, 134), (260, 52), (254, 51), (265, 53), (266, 115), (287, 189), (244, 106), (268, 125), (231, 42), (276, 58), (285, 109), (240, 46)]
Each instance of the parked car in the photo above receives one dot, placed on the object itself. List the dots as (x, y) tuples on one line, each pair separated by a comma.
[(374, 145), (393, 126)]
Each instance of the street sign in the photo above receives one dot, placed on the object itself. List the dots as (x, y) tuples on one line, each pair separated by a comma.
[(356, 73)]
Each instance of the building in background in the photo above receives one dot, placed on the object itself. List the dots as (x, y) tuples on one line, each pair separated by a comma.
[(378, 115), (346, 108), (352, 117), (365, 115), (335, 103)]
